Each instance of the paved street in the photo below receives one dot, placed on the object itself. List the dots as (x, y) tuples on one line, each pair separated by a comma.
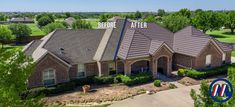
[(179, 97)]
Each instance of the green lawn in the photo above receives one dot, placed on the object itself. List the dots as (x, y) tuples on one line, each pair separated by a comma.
[(94, 22), (224, 36), (35, 30)]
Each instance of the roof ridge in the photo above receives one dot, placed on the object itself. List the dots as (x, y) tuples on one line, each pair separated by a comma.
[(130, 42)]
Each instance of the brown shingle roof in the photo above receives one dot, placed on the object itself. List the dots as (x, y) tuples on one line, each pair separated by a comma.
[(79, 46), (32, 47), (142, 42), (190, 41), (112, 45)]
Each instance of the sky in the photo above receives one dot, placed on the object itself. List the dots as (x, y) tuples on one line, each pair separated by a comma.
[(112, 5)]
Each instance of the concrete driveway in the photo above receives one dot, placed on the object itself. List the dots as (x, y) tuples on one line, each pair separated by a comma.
[(179, 97)]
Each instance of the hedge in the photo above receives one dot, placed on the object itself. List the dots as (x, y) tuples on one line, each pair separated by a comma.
[(103, 79), (84, 81), (44, 91), (206, 73), (136, 79)]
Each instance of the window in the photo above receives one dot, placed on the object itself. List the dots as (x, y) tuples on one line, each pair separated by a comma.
[(112, 68), (208, 60), (224, 58), (81, 71), (49, 77)]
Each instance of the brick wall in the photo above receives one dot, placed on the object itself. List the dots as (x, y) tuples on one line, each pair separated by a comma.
[(216, 57), (90, 68), (183, 61), (62, 75)]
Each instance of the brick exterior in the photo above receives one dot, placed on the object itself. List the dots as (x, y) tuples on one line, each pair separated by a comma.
[(228, 57), (183, 61), (209, 50), (48, 61), (162, 52), (90, 68)]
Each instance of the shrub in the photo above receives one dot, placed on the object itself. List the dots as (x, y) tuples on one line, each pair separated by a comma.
[(44, 91), (157, 83), (207, 73), (195, 74), (181, 72), (137, 79), (172, 86), (103, 79), (118, 78), (84, 81)]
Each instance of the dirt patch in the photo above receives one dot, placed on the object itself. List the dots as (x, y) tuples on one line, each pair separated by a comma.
[(188, 81), (102, 93)]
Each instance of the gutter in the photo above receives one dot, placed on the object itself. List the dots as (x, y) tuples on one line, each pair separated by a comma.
[(120, 40)]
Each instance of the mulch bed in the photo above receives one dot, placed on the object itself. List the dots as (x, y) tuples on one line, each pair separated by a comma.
[(188, 81), (102, 93)]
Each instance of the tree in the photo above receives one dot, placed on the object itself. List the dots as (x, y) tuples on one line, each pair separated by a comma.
[(43, 21), (161, 12), (150, 19), (81, 24), (138, 15), (103, 18), (175, 22), (52, 26), (3, 17), (185, 12), (230, 20), (20, 31), (45, 14), (204, 100), (5, 35), (68, 14), (208, 20), (15, 69)]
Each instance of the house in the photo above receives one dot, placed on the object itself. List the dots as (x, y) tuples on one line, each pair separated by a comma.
[(69, 21), (64, 55), (21, 20)]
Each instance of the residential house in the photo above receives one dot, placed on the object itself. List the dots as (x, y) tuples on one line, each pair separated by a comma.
[(21, 20), (69, 21), (64, 55)]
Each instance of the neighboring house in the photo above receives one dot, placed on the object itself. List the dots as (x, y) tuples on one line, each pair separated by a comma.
[(69, 21), (64, 55), (21, 20)]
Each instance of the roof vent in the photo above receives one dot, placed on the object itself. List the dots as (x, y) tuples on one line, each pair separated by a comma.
[(61, 50)]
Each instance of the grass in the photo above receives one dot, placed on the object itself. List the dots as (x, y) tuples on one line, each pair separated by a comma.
[(35, 30), (93, 22), (224, 36), (12, 47)]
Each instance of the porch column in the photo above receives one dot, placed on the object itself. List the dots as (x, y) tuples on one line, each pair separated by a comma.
[(127, 68), (154, 68), (169, 69), (99, 68)]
